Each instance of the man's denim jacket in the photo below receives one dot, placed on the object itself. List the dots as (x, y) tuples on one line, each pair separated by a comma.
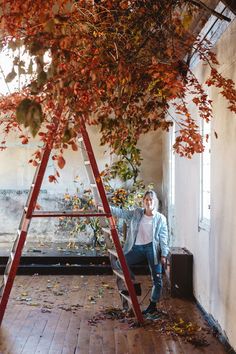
[(160, 231)]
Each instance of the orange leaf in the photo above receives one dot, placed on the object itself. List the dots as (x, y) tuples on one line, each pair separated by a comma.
[(124, 5), (61, 161), (74, 146)]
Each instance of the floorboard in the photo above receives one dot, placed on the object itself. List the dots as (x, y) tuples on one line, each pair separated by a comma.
[(65, 315)]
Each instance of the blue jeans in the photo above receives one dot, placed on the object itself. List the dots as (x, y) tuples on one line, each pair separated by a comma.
[(140, 253)]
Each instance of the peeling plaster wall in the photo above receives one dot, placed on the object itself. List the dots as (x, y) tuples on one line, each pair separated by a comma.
[(214, 251), (16, 176), (151, 168)]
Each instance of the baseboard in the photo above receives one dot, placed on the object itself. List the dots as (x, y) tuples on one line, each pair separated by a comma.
[(216, 329)]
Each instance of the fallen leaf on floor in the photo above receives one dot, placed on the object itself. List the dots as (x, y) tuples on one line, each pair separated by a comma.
[(76, 306), (44, 310), (92, 300), (107, 286), (23, 298), (46, 306), (65, 307), (33, 304), (100, 292), (58, 293)]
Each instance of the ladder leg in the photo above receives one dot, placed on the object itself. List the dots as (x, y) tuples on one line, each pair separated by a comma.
[(14, 259), (114, 234)]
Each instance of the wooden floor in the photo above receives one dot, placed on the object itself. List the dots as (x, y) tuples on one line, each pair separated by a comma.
[(62, 314)]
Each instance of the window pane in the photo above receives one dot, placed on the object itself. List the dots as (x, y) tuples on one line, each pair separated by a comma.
[(205, 181)]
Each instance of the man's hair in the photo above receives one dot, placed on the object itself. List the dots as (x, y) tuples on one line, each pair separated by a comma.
[(152, 195)]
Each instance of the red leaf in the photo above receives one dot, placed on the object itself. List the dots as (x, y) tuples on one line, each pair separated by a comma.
[(52, 179), (61, 161), (24, 140), (34, 163)]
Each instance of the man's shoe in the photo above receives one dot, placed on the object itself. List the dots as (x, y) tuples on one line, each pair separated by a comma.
[(152, 307), (137, 288)]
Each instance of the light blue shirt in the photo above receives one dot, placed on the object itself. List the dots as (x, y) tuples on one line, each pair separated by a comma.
[(160, 231)]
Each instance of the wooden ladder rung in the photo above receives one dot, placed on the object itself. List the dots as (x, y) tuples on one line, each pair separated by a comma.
[(5, 277), (126, 297), (119, 274), (107, 230), (113, 252), (1, 288)]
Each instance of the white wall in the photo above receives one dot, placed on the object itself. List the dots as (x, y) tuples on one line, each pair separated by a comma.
[(214, 250)]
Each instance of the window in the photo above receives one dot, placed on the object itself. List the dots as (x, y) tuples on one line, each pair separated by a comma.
[(171, 202), (205, 178), (172, 168)]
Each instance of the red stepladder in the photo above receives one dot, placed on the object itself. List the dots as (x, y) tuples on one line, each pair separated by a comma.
[(29, 213)]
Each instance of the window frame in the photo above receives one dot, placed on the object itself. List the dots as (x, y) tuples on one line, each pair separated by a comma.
[(205, 222)]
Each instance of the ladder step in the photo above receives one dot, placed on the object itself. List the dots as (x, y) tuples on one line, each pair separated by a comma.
[(113, 252), (119, 274), (106, 230), (126, 297), (87, 162), (5, 277), (16, 241), (9, 263), (1, 288)]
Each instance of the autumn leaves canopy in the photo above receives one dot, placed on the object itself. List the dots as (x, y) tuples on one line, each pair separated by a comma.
[(116, 64)]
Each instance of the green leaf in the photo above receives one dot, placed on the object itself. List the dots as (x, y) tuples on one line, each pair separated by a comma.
[(30, 67), (29, 113), (50, 26), (41, 78), (11, 76), (34, 118), (35, 47), (21, 111)]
